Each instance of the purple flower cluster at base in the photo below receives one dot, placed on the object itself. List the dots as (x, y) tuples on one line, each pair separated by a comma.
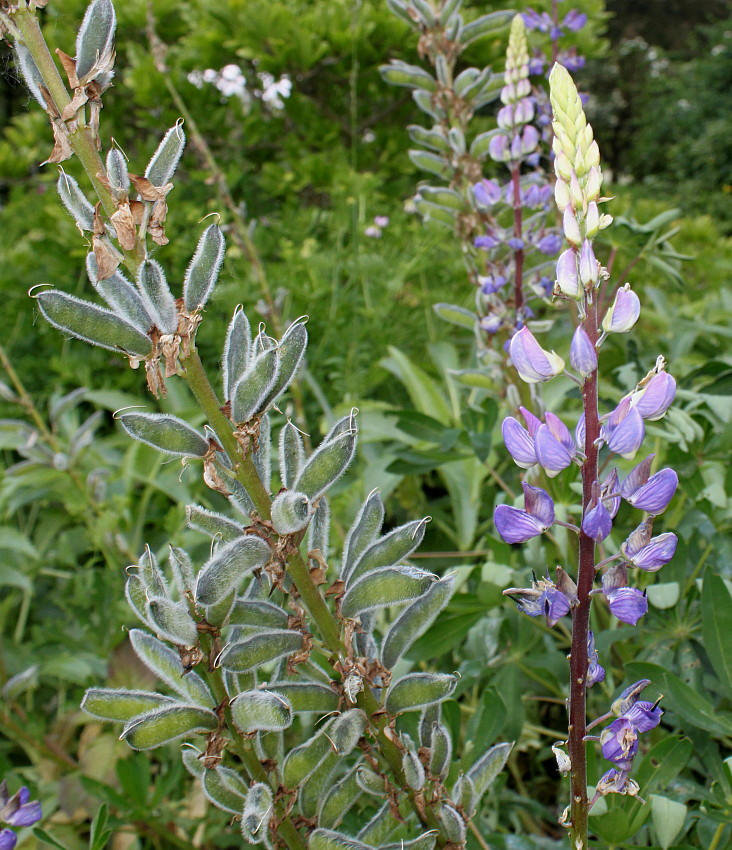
[(17, 811)]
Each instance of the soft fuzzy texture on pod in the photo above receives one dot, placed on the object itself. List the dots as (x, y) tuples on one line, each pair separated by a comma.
[(92, 324), (414, 621), (336, 803), (261, 711), (117, 174), (251, 391), (164, 161), (291, 454), (307, 696), (363, 532), (411, 76), (319, 530), (75, 201), (166, 665), (291, 351), (381, 827), (215, 525), (258, 613), (95, 40), (419, 689), (411, 765), (484, 771), (166, 724), (326, 465), (463, 793), (387, 550), (165, 432), (388, 586), (453, 824), (157, 297), (224, 788), (256, 814), (121, 705), (328, 839), (121, 296), (237, 352), (440, 750), (291, 512), (252, 652), (311, 791), (203, 271), (229, 565), (172, 621), (29, 72)]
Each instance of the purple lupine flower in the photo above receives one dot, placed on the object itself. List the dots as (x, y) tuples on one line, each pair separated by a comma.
[(637, 477), (537, 64), (18, 810), (555, 33), (535, 21), (516, 244), (629, 697), (653, 400), (529, 139), (517, 526), (619, 741), (624, 430), (644, 715), (518, 442), (574, 20), (549, 244), (487, 192), (532, 362), (492, 283), (572, 62), (542, 598), (608, 491), (655, 494), (554, 445), (597, 522), (486, 242), (582, 353), (623, 313), (8, 839), (498, 148), (628, 604), (653, 554), (381, 221), (588, 267), (595, 672)]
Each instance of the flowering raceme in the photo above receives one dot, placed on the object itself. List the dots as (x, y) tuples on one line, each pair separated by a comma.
[(580, 279)]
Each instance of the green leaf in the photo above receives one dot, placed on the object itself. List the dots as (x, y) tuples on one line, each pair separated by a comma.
[(716, 604), (668, 819), (40, 833), (456, 315), (162, 725)]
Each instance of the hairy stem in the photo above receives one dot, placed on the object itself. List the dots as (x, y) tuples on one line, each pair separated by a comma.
[(581, 612)]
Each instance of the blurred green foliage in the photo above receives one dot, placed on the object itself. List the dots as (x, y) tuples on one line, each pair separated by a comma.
[(307, 180)]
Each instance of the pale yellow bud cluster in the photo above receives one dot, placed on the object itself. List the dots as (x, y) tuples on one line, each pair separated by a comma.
[(577, 159), (517, 63)]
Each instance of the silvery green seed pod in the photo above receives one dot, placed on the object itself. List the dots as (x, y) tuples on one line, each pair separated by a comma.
[(117, 174), (261, 454), (484, 771), (400, 9), (291, 512), (121, 296), (258, 613), (256, 814), (223, 790), (411, 76), (203, 271), (29, 72), (312, 790), (424, 101), (157, 297), (259, 649), (388, 550), (336, 802), (326, 465), (75, 201), (250, 393), (380, 828), (226, 568), (172, 621), (418, 689), (291, 351), (328, 839), (165, 432), (302, 761), (136, 596), (463, 793), (92, 324), (237, 352), (412, 767), (363, 531), (291, 454), (121, 705), (440, 750), (165, 160), (414, 621), (432, 163), (453, 824), (152, 576), (486, 25), (425, 11), (162, 725), (444, 197), (385, 587), (307, 696), (213, 524), (166, 665), (434, 212), (434, 138), (181, 567), (426, 841), (261, 711), (95, 40), (319, 528)]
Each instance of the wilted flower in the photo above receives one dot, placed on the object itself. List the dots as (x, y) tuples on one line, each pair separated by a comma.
[(542, 598), (532, 362), (629, 697)]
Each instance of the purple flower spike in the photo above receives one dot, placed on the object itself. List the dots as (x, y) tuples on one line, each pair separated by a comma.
[(597, 523), (8, 839), (518, 442), (582, 353), (549, 244), (624, 312), (619, 741), (532, 362), (653, 497), (628, 604), (624, 430), (574, 20), (487, 192), (644, 715), (656, 397), (595, 672), (607, 491), (654, 555)]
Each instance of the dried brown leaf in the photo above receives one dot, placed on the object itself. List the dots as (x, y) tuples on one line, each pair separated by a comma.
[(124, 226), (61, 146), (69, 66), (77, 102), (106, 255)]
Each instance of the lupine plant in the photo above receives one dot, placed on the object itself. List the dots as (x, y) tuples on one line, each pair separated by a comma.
[(549, 446), (277, 661)]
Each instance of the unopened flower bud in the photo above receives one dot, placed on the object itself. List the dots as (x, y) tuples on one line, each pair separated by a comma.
[(623, 313), (582, 353), (588, 268), (592, 220), (576, 193), (593, 184), (529, 139), (571, 227), (561, 195), (532, 362), (498, 148), (563, 167)]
